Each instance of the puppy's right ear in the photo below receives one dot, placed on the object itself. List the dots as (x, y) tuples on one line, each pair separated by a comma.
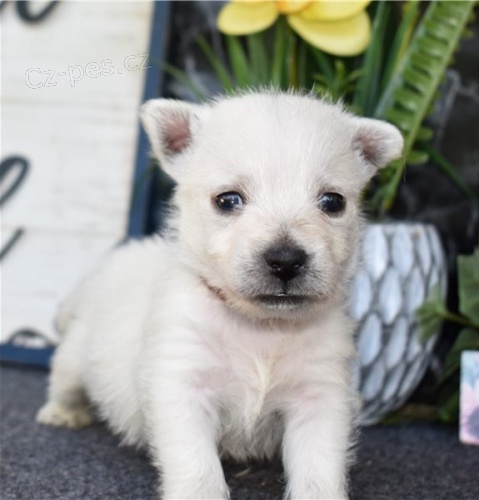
[(171, 126)]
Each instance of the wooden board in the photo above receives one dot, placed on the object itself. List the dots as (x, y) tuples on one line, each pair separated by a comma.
[(71, 89)]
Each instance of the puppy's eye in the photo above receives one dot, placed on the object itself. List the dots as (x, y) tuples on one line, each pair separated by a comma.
[(229, 201), (332, 203)]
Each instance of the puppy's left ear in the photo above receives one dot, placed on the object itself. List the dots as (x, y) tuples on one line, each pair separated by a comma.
[(171, 126), (376, 143)]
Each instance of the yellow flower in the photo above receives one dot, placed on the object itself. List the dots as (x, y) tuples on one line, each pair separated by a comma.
[(338, 27)]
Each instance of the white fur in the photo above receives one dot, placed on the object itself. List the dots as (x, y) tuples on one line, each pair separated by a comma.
[(166, 339)]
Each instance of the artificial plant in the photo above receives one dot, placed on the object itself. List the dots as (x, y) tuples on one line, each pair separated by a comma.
[(431, 316), (389, 68)]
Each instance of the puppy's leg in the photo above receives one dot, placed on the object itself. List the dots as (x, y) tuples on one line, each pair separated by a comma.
[(183, 427), (67, 404), (315, 444)]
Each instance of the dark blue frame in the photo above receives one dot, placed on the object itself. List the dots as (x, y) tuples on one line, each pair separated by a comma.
[(141, 191), (142, 183)]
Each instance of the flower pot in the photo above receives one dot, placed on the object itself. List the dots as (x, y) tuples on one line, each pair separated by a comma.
[(402, 262)]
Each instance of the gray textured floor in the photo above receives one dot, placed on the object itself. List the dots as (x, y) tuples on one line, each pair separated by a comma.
[(39, 463)]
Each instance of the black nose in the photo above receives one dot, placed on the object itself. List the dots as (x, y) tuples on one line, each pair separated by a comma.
[(285, 262)]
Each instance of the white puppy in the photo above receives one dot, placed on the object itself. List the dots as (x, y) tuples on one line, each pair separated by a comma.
[(229, 336)]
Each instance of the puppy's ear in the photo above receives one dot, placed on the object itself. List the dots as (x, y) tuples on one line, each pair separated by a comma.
[(377, 143), (171, 126)]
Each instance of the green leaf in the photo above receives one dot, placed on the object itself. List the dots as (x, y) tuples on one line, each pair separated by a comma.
[(430, 314), (425, 134), (219, 68), (239, 62), (324, 63), (467, 340), (343, 82), (448, 169), (185, 80), (401, 41), (259, 59), (449, 411), (416, 157), (468, 276), (280, 43), (290, 59), (368, 86), (302, 76), (420, 73)]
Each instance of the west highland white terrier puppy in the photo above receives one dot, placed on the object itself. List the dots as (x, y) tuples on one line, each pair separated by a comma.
[(229, 336)]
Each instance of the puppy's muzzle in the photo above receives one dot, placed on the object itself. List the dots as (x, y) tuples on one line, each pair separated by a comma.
[(285, 262)]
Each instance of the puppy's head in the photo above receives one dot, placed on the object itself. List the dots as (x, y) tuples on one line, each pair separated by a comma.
[(268, 194)]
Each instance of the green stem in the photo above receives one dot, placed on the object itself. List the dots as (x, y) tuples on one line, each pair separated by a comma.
[(323, 63), (184, 79), (258, 58), (457, 318), (239, 61), (220, 69), (367, 87), (390, 190), (280, 43), (401, 41), (302, 76), (449, 170), (291, 60)]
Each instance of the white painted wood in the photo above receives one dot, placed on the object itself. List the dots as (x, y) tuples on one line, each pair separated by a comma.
[(43, 267), (79, 132)]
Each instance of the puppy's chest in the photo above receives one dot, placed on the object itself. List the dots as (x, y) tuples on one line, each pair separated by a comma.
[(255, 388)]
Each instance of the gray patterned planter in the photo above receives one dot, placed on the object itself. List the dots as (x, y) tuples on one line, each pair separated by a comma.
[(401, 264)]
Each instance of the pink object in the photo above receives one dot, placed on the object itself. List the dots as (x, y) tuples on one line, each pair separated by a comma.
[(469, 414)]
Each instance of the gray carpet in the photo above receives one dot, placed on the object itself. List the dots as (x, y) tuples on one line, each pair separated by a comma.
[(39, 463)]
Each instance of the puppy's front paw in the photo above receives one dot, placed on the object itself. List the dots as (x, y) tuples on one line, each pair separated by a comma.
[(58, 415), (317, 495), (201, 489), (195, 496)]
